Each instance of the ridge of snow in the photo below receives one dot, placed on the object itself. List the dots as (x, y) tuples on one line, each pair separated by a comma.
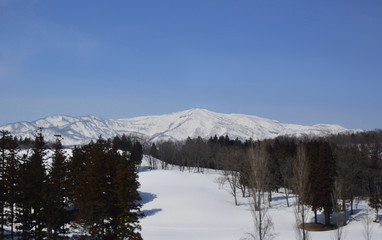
[(175, 126)]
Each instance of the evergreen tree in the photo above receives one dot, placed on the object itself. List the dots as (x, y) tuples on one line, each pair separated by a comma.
[(111, 210), (322, 173), (3, 148), (314, 197), (10, 183), (116, 143), (106, 194), (32, 180), (95, 196), (37, 185), (322, 176), (24, 209), (127, 193), (125, 144), (274, 179), (136, 154), (56, 193), (328, 175), (154, 151), (76, 167), (287, 153), (90, 196)]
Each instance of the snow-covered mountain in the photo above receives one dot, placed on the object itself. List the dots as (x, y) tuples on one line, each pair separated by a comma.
[(176, 126)]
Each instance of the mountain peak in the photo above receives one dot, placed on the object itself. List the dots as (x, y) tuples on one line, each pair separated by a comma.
[(175, 126)]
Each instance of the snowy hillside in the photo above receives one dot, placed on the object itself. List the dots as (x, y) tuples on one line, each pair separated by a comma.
[(189, 206), (175, 126)]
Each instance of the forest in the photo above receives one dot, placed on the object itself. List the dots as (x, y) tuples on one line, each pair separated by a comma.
[(93, 194), (327, 174)]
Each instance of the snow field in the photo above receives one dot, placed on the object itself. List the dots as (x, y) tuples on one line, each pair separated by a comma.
[(187, 205)]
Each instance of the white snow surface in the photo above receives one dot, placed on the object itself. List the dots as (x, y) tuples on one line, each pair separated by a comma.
[(176, 126), (188, 205)]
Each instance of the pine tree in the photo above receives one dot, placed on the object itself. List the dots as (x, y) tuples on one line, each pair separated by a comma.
[(116, 143), (3, 148), (10, 184), (321, 176), (274, 179), (154, 151), (125, 144), (314, 197), (136, 154), (76, 167), (32, 180), (24, 218), (56, 193), (328, 175), (39, 178), (127, 193), (90, 195)]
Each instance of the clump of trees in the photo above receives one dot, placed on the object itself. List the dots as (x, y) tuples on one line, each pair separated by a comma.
[(95, 190)]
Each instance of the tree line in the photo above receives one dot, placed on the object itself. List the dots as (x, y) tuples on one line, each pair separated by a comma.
[(94, 192), (326, 173)]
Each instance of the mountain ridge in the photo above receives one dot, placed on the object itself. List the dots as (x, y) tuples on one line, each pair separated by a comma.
[(175, 126)]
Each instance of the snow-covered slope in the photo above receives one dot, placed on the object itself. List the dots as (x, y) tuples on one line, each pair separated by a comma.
[(189, 206), (175, 126)]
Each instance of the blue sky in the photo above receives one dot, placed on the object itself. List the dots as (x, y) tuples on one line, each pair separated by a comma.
[(303, 62)]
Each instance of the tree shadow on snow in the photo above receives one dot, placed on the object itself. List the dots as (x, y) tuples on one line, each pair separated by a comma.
[(357, 215), (144, 169), (151, 212), (147, 197), (278, 198)]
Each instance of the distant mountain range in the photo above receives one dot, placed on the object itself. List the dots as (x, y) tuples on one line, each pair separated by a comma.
[(175, 126)]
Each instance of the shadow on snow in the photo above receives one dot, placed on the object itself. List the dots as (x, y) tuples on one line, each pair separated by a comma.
[(151, 212), (146, 198)]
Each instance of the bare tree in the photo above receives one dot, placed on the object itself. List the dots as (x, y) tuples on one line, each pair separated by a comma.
[(367, 225), (301, 215), (340, 219), (220, 181), (232, 177), (230, 171), (300, 183), (287, 172), (244, 170), (263, 224), (152, 162), (258, 175)]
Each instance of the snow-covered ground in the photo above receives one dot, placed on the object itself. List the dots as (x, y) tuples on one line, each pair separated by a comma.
[(188, 205)]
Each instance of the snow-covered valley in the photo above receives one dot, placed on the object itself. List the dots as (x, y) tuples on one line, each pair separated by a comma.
[(188, 205)]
